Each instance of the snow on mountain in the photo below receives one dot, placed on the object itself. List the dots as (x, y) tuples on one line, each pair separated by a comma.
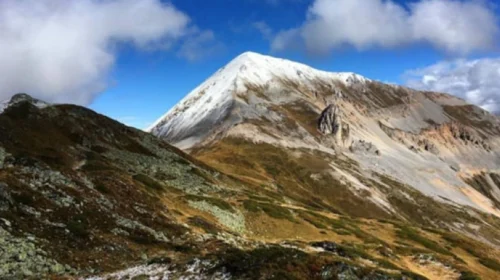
[(209, 103)]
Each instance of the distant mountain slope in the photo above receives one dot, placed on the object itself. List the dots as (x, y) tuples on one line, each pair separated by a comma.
[(345, 143)]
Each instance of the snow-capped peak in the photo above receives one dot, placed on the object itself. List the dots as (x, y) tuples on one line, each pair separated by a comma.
[(208, 104), (261, 69), (248, 67)]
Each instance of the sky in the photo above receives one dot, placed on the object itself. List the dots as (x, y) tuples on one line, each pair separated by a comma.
[(133, 60)]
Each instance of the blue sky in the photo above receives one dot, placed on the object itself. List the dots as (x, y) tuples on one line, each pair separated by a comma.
[(148, 84), (148, 56)]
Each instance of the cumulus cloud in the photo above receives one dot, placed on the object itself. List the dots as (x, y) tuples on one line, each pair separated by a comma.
[(62, 51), (453, 26), (476, 81)]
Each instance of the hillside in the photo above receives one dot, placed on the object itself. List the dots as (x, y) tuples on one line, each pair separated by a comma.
[(83, 196), (344, 144), (435, 143)]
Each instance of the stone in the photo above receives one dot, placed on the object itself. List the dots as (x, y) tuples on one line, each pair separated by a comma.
[(6, 222), (5, 197), (57, 268), (329, 121), (364, 147), (27, 272), (22, 256)]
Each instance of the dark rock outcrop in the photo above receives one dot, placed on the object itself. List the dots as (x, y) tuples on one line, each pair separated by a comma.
[(330, 121)]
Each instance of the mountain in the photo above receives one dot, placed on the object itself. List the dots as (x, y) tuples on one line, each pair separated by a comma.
[(83, 196), (214, 100), (345, 144), (435, 143)]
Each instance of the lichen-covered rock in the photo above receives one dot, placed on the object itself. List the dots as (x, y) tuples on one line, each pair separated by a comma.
[(20, 258), (234, 221)]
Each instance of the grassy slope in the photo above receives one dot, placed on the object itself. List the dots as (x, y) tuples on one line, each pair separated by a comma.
[(307, 213)]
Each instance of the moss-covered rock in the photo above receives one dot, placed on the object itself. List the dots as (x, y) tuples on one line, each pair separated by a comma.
[(233, 220)]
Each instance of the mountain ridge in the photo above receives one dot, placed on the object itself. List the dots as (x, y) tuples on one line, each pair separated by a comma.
[(234, 77), (434, 143)]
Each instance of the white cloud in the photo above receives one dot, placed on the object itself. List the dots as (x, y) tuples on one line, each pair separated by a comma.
[(62, 51), (454, 26), (199, 45), (287, 39), (476, 81), (263, 28)]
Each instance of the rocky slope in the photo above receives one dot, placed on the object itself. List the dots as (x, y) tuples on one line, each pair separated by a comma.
[(346, 144), (83, 196), (429, 141)]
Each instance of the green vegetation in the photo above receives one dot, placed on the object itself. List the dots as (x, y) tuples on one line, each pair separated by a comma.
[(309, 217), (355, 251), (149, 182), (276, 262), (293, 172), (407, 233), (386, 264), (273, 211), (490, 263), (472, 247), (203, 224), (468, 275), (262, 261)]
